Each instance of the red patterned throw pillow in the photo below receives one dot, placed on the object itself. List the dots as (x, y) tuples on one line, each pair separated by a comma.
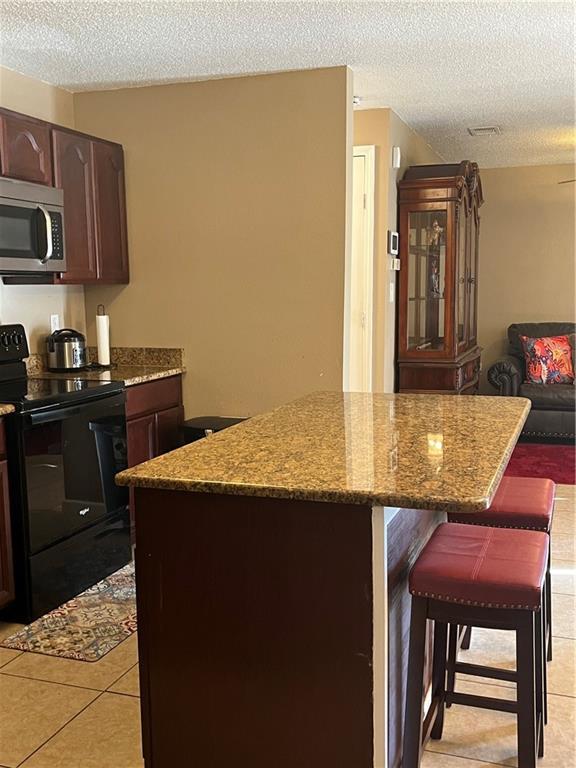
[(548, 360)]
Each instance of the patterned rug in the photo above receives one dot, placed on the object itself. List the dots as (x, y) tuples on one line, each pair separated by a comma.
[(86, 627)]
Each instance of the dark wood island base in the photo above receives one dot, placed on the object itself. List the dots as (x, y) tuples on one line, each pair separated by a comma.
[(259, 640)]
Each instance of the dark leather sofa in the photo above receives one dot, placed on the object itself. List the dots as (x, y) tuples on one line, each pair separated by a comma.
[(553, 411)]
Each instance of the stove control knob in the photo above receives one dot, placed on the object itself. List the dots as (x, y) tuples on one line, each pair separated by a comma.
[(16, 338), (4, 339)]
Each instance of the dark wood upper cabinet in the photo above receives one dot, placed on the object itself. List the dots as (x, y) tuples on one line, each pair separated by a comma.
[(73, 172), (25, 149), (110, 212), (91, 173)]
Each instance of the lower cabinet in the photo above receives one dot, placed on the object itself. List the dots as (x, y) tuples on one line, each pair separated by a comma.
[(141, 435), (6, 570), (154, 416)]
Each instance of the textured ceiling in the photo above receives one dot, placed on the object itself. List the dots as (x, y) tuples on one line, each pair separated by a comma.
[(442, 66)]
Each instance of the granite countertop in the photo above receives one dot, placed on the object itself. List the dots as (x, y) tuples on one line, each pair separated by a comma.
[(129, 374), (5, 409), (414, 451)]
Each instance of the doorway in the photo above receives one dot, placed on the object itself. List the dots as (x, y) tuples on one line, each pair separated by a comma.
[(359, 302)]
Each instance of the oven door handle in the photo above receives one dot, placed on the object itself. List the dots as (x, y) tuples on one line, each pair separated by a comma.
[(49, 245), (58, 414)]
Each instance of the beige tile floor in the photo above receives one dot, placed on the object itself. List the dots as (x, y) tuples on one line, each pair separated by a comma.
[(60, 713)]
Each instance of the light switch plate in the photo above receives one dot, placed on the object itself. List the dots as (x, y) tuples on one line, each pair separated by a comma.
[(54, 323), (393, 243)]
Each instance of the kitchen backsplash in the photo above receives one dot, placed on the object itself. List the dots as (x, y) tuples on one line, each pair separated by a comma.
[(159, 357)]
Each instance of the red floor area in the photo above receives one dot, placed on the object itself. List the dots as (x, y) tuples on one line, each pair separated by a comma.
[(558, 462)]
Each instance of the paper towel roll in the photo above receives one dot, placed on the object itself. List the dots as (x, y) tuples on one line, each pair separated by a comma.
[(103, 338)]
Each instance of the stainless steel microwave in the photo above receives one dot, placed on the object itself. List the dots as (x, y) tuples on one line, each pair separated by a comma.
[(31, 228)]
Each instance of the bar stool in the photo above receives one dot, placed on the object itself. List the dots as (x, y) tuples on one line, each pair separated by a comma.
[(519, 502), (481, 577)]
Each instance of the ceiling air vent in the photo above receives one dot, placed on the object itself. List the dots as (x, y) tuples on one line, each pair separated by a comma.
[(485, 130)]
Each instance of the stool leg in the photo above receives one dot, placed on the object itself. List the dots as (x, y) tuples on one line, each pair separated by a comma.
[(452, 658), (545, 641), (526, 693), (540, 665), (414, 690), (466, 638), (439, 677), (548, 598)]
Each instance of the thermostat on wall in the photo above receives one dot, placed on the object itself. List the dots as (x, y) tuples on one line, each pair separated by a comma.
[(393, 243)]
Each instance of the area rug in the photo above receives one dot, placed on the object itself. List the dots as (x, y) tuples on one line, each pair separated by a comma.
[(558, 462), (87, 627)]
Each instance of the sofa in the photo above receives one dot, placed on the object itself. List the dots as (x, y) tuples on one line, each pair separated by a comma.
[(553, 412)]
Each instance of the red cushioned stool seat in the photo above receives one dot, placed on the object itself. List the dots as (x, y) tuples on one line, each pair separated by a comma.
[(477, 565), (520, 502), (478, 576)]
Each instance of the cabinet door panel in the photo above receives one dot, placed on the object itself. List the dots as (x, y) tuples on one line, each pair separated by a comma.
[(25, 149), (110, 207), (168, 425), (141, 436), (73, 173), (6, 571)]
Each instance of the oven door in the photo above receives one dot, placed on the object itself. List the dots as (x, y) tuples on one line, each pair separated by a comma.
[(31, 238), (71, 456)]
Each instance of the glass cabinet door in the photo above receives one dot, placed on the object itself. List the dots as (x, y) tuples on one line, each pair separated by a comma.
[(461, 277), (426, 277), (472, 279)]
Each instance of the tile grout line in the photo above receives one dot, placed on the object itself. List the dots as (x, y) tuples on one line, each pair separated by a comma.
[(120, 678), (101, 693), (66, 724), (54, 682), (459, 757), (19, 653)]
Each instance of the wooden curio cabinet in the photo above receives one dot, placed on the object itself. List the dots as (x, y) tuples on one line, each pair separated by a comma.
[(439, 237)]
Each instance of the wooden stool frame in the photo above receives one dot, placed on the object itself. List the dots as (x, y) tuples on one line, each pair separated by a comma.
[(529, 675)]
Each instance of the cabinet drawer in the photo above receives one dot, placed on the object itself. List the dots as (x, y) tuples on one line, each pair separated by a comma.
[(153, 396), (2, 441)]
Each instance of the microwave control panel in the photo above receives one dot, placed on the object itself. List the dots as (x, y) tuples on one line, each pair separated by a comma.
[(57, 241)]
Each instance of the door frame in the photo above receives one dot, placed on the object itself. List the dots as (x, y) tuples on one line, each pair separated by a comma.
[(368, 152)]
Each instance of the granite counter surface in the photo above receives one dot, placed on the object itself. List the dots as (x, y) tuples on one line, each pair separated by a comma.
[(414, 451), (129, 374), (5, 409)]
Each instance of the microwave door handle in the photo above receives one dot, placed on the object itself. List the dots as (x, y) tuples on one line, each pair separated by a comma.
[(48, 223)]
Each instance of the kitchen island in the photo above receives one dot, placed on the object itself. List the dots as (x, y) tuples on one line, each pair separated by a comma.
[(272, 562)]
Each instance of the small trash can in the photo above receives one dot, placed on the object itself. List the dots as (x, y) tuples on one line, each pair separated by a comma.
[(202, 426)]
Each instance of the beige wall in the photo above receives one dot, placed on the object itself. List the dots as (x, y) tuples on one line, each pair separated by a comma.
[(384, 129), (236, 197), (33, 305), (527, 252)]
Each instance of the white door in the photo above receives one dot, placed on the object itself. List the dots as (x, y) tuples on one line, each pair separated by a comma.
[(359, 290)]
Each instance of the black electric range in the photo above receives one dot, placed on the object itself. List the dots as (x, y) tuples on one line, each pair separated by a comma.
[(37, 394), (65, 443)]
